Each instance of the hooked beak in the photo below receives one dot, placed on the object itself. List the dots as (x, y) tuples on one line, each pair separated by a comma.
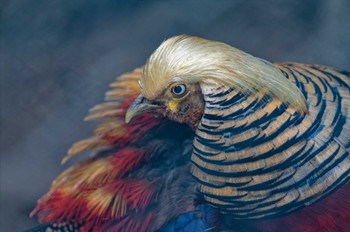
[(139, 106)]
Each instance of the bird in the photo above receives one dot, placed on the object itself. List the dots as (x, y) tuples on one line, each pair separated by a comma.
[(205, 137)]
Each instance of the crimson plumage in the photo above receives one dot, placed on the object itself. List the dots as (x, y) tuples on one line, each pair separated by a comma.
[(263, 146)]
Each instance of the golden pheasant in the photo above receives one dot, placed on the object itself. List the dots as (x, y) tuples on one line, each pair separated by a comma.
[(214, 139)]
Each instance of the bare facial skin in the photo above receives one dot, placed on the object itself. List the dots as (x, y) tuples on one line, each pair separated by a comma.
[(187, 110)]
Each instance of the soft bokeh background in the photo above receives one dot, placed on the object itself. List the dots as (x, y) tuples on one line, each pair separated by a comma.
[(58, 57)]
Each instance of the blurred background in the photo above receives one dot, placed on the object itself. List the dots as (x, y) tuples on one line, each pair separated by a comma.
[(58, 57)]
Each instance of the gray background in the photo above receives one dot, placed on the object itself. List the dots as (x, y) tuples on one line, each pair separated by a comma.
[(58, 57)]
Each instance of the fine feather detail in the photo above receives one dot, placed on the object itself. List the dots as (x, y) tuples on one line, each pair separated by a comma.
[(136, 182), (210, 63), (142, 179), (113, 132), (257, 161), (97, 192)]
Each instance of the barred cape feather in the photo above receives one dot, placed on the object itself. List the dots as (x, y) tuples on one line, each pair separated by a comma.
[(141, 178), (105, 194)]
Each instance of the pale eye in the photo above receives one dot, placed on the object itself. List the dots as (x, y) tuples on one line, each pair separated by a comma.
[(179, 90)]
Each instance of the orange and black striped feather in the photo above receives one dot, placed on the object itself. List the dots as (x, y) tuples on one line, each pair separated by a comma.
[(255, 157)]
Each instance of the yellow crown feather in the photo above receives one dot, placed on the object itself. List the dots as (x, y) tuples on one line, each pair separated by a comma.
[(211, 63)]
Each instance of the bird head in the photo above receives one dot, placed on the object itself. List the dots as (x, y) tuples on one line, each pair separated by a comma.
[(179, 71)]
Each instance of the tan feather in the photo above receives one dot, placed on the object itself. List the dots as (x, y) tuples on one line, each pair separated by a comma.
[(84, 145)]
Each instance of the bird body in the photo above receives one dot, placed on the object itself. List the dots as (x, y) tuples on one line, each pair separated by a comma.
[(214, 139)]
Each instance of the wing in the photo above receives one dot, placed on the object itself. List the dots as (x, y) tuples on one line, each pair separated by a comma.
[(138, 179)]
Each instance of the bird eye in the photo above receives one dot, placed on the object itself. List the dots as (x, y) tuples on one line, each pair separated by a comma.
[(179, 90)]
